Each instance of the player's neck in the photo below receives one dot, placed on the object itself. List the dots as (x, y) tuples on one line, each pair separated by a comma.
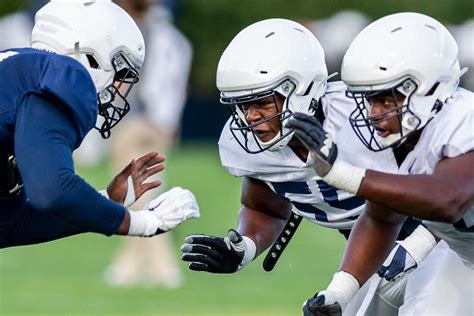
[(299, 149), (404, 149)]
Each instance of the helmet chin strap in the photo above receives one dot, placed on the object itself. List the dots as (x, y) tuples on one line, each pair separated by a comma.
[(391, 139), (454, 82), (77, 51), (334, 74), (280, 144)]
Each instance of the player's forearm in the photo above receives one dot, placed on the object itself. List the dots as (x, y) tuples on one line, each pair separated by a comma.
[(420, 196), (369, 244), (263, 228)]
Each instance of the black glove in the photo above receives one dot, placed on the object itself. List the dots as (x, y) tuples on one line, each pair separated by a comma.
[(214, 254), (315, 307), (311, 133)]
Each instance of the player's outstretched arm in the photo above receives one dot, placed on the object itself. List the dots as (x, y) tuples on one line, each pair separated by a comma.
[(363, 256), (129, 185), (45, 137), (263, 215), (261, 219), (44, 140), (445, 195)]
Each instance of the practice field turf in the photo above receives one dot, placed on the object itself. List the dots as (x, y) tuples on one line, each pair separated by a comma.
[(65, 277)]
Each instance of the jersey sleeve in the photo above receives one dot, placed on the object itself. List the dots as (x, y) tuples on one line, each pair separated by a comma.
[(228, 153), (71, 88), (336, 107), (44, 141)]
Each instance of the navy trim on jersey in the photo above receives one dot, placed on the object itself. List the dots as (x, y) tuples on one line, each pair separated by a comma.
[(462, 227), (328, 192), (330, 196), (308, 208), (291, 187)]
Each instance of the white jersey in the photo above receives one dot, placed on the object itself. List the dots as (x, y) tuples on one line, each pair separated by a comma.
[(449, 134), (295, 180)]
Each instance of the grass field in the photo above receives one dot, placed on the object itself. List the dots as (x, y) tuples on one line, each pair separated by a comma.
[(65, 277)]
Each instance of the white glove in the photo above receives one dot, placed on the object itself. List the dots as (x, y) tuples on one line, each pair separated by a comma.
[(174, 207), (164, 213)]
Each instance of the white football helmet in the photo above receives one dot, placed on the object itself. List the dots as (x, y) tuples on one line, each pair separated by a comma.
[(269, 57), (409, 53), (104, 39)]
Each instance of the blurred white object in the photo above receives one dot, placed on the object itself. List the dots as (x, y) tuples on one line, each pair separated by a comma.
[(15, 30), (93, 150), (442, 285), (153, 124), (464, 35), (336, 33)]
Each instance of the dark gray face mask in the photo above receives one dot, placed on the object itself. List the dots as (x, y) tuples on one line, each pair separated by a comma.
[(112, 101)]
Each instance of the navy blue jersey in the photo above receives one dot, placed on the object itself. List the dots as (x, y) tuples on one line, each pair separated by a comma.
[(60, 79), (48, 103)]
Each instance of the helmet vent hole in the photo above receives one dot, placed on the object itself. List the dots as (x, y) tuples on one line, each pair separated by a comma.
[(383, 68), (92, 61), (88, 3), (396, 29), (263, 72), (299, 30), (269, 34), (430, 27)]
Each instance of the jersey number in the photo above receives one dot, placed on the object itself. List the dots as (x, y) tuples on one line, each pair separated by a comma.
[(328, 192)]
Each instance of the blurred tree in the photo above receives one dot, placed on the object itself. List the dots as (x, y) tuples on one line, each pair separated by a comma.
[(211, 24), (10, 6)]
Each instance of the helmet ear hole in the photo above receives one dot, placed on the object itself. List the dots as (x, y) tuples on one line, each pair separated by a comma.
[(432, 90), (309, 88), (92, 61)]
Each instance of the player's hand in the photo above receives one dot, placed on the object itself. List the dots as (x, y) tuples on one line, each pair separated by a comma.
[(164, 213), (323, 150), (129, 185), (217, 254), (408, 254), (311, 133), (173, 207), (318, 305)]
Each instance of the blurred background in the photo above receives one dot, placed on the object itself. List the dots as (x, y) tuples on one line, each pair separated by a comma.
[(178, 102)]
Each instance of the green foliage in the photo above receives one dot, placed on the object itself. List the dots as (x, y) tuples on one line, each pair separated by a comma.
[(211, 24), (10, 6), (65, 276)]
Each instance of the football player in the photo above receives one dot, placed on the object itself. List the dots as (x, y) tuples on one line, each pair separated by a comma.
[(269, 71), (84, 60), (407, 96)]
